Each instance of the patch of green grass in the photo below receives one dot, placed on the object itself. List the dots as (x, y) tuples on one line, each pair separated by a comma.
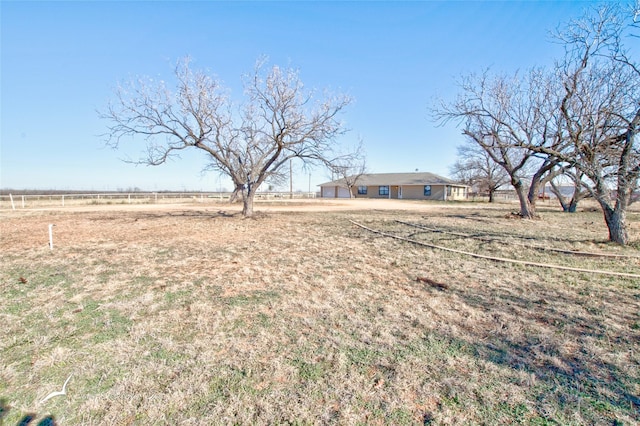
[(101, 381), (309, 371), (179, 296), (14, 308), (19, 281), (600, 405), (114, 325), (512, 411), (101, 324), (166, 355), (106, 276), (143, 280), (541, 421), (363, 357), (451, 400), (228, 382), (400, 416), (263, 320), (240, 324)]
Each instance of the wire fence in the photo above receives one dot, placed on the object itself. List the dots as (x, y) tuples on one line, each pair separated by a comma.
[(25, 201)]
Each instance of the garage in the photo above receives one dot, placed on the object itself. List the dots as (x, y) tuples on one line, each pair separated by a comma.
[(331, 191)]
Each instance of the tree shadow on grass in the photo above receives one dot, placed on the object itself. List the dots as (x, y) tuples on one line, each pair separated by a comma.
[(497, 235), (205, 214), (564, 341), (200, 214)]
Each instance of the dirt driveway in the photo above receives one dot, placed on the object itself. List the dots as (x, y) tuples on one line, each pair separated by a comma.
[(314, 205)]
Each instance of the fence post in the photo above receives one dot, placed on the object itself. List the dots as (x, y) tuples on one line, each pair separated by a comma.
[(50, 236), (23, 201), (63, 201), (13, 206)]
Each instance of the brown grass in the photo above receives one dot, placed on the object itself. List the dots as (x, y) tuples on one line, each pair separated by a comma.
[(193, 315)]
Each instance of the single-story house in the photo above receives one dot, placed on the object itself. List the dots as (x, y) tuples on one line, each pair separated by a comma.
[(410, 186)]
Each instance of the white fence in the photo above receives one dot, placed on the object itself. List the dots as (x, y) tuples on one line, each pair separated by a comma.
[(21, 201)]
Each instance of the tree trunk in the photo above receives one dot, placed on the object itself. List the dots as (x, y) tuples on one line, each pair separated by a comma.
[(615, 212), (565, 206), (234, 196), (616, 222), (568, 206), (573, 205), (247, 203), (532, 196), (491, 192), (527, 209)]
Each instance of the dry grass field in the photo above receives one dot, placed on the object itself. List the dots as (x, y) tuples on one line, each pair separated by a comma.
[(189, 314)]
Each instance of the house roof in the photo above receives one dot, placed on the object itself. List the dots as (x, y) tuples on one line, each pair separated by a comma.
[(377, 179)]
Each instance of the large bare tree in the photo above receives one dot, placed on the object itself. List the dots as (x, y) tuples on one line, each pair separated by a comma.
[(250, 143), (505, 116), (599, 111), (582, 118)]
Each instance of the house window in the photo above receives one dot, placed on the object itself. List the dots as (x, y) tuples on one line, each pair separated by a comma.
[(362, 190), (427, 190), (383, 190)]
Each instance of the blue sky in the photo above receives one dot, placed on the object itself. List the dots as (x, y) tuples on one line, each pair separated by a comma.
[(60, 62)]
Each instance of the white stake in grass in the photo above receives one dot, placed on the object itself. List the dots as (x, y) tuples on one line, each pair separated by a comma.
[(13, 206), (51, 236), (58, 393)]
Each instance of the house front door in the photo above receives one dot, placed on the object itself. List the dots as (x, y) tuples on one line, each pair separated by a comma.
[(395, 191)]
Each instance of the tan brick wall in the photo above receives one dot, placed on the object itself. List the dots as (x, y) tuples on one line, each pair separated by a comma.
[(412, 192)]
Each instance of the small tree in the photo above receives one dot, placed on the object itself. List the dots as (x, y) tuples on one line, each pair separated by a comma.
[(349, 167), (475, 167), (279, 121), (575, 177)]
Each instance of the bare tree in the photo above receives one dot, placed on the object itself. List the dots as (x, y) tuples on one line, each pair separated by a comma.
[(575, 177), (251, 143), (475, 167), (505, 116), (599, 111), (349, 167), (585, 116)]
